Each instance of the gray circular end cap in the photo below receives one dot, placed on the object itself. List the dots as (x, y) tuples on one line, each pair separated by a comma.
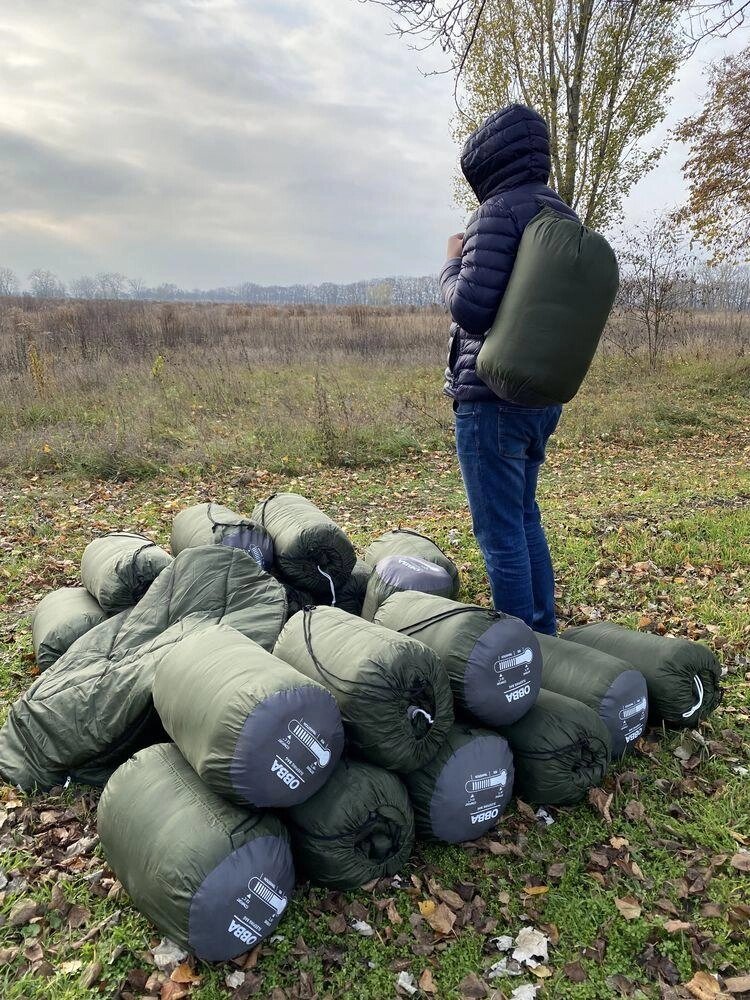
[(472, 790), (503, 673), (415, 573), (624, 710), (241, 901), (288, 747)]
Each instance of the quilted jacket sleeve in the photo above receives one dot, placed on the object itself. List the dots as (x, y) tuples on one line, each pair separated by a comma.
[(474, 284)]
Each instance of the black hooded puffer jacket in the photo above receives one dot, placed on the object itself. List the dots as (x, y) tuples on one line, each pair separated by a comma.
[(507, 163)]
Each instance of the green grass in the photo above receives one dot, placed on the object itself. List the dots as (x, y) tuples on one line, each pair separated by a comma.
[(650, 520)]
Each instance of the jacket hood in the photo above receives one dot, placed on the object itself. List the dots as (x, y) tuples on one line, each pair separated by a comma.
[(509, 149)]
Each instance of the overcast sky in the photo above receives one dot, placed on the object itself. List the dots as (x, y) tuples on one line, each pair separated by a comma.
[(208, 142)]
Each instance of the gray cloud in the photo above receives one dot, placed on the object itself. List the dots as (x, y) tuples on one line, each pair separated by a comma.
[(213, 141)]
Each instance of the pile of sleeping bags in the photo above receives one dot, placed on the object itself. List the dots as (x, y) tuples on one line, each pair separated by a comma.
[(263, 701)]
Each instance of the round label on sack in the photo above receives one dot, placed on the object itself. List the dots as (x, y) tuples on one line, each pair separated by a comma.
[(624, 709), (503, 673), (414, 573), (472, 790), (241, 901), (258, 545), (288, 747)]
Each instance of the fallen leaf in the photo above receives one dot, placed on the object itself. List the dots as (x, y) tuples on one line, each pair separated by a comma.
[(702, 986), (451, 898), (737, 984), (427, 907), (674, 926), (629, 908), (575, 972), (535, 890), (601, 801), (635, 811), (393, 915), (75, 965), (442, 919), (22, 912), (741, 861), (427, 983), (184, 974), (472, 988), (78, 916)]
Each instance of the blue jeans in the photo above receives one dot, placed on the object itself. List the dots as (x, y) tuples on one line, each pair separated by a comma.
[(501, 449)]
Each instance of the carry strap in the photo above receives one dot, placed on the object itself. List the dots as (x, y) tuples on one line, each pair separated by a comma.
[(460, 609)]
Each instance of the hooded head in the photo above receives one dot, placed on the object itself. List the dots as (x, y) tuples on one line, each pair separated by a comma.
[(509, 149)]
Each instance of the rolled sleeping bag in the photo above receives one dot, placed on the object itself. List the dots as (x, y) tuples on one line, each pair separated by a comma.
[(552, 314), (358, 827), (60, 618), (310, 550), (462, 792), (117, 569), (615, 691), (683, 677), (350, 596), (561, 748), (395, 574), (392, 691), (214, 878), (256, 731), (214, 524), (493, 660), (406, 542)]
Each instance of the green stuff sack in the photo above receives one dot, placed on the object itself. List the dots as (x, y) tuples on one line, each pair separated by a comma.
[(615, 691), (392, 691), (358, 827), (464, 789), (395, 574), (350, 596), (257, 732), (117, 569), (561, 748), (311, 551), (213, 878), (405, 542), (493, 660), (553, 313), (93, 708), (683, 677), (213, 524), (60, 618)]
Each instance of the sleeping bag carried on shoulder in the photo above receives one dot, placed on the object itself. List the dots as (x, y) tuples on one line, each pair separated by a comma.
[(615, 691), (213, 524), (117, 569), (560, 750), (396, 574), (493, 660), (93, 708), (464, 789), (214, 878), (392, 691), (553, 313), (258, 732), (350, 596), (60, 618), (310, 551), (358, 827), (405, 542), (683, 677)]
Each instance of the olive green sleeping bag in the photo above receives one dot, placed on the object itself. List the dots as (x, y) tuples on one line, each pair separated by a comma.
[(61, 617), (310, 551), (395, 574), (93, 708), (257, 732), (615, 691), (213, 524), (117, 569), (560, 750), (296, 599), (392, 691), (683, 677), (552, 314), (350, 596), (493, 660), (464, 789), (215, 879), (358, 827), (406, 542)]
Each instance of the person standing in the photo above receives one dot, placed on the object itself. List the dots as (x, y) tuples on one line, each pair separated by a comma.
[(501, 444)]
